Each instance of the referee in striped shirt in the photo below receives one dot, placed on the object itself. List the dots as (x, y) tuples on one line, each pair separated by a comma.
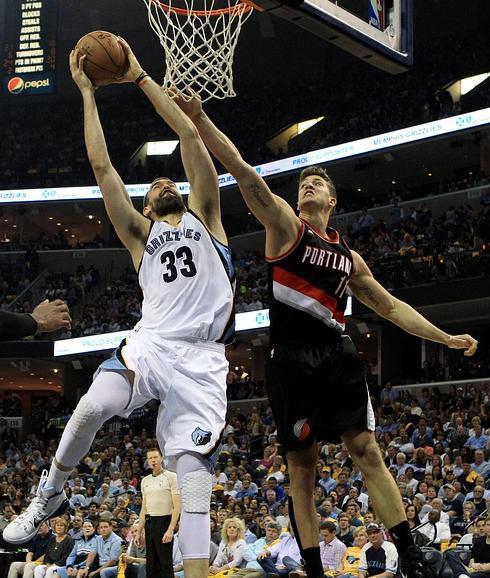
[(159, 515)]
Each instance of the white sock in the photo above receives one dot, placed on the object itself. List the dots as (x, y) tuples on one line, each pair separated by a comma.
[(56, 478)]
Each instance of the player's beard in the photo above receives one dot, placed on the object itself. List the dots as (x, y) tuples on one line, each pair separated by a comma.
[(167, 204)]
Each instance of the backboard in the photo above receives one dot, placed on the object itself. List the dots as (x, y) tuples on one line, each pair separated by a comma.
[(377, 31)]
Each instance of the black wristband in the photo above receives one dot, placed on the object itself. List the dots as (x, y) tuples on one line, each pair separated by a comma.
[(141, 77)]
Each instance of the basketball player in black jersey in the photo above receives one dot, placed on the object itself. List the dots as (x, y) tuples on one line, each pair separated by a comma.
[(312, 366)]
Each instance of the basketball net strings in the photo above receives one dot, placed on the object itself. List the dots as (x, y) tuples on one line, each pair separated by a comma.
[(199, 50)]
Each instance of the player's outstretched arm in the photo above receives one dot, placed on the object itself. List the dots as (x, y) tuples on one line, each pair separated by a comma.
[(271, 210), (365, 287), (204, 198), (47, 316), (131, 227)]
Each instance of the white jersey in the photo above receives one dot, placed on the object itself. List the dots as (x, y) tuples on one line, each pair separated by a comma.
[(187, 279)]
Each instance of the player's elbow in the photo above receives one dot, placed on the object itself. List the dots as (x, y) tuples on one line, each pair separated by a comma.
[(188, 132), (387, 308), (100, 164), (239, 168)]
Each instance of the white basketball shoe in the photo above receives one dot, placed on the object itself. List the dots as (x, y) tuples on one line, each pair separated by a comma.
[(47, 504)]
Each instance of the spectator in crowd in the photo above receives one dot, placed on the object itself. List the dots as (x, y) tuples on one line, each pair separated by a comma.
[(80, 551), (232, 546), (479, 566), (344, 533), (326, 481), (282, 557), (76, 530), (8, 514), (352, 556), (107, 549), (452, 504), (479, 500), (253, 569), (133, 561), (480, 464), (35, 554), (57, 551), (332, 550), (436, 530), (478, 440), (378, 557), (459, 524)]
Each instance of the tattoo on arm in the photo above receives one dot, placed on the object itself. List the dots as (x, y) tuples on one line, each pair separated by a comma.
[(368, 295), (256, 191)]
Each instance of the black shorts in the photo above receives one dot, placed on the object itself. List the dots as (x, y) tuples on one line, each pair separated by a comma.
[(317, 392)]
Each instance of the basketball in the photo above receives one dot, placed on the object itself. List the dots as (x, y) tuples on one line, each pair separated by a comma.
[(105, 58)]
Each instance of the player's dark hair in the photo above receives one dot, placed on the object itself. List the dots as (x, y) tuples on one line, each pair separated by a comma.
[(319, 172), (153, 450)]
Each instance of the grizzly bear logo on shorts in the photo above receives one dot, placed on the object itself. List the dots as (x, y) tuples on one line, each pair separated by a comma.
[(201, 437)]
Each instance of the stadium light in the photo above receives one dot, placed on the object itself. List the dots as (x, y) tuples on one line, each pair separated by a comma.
[(472, 82), (306, 124), (161, 147), (280, 141), (460, 87)]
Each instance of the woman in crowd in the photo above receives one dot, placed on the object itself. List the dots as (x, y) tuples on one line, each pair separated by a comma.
[(232, 546), (57, 551), (79, 552), (264, 509), (437, 476), (238, 509), (19, 503), (277, 469), (352, 556), (412, 516)]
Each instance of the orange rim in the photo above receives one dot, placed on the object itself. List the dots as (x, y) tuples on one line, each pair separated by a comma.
[(204, 13)]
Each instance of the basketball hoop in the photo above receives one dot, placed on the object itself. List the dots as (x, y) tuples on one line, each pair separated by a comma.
[(199, 43)]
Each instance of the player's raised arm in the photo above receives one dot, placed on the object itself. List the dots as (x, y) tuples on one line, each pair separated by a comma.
[(365, 287), (271, 210), (131, 227), (199, 168)]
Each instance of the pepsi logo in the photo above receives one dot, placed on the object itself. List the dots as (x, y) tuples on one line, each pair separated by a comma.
[(15, 85)]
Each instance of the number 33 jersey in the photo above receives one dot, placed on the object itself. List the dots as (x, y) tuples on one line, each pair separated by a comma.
[(187, 279), (307, 287)]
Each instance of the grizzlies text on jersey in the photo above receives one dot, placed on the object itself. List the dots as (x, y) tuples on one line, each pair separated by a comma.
[(187, 280)]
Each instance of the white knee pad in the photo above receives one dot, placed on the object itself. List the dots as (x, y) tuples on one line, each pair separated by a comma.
[(86, 417), (195, 492)]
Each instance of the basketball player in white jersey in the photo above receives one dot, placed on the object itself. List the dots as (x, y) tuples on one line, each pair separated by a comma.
[(176, 352), (310, 267)]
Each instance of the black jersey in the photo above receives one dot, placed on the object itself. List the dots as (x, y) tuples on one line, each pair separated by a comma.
[(307, 287)]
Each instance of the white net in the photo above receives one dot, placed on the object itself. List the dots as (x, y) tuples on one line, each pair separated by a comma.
[(199, 38)]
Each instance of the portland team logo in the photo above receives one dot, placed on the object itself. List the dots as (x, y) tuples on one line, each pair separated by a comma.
[(301, 429), (15, 85)]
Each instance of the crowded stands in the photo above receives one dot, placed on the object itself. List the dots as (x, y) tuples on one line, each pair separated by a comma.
[(436, 446)]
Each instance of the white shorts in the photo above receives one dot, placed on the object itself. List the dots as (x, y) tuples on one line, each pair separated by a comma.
[(189, 380)]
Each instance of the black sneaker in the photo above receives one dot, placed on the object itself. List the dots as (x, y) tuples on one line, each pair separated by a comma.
[(412, 564)]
